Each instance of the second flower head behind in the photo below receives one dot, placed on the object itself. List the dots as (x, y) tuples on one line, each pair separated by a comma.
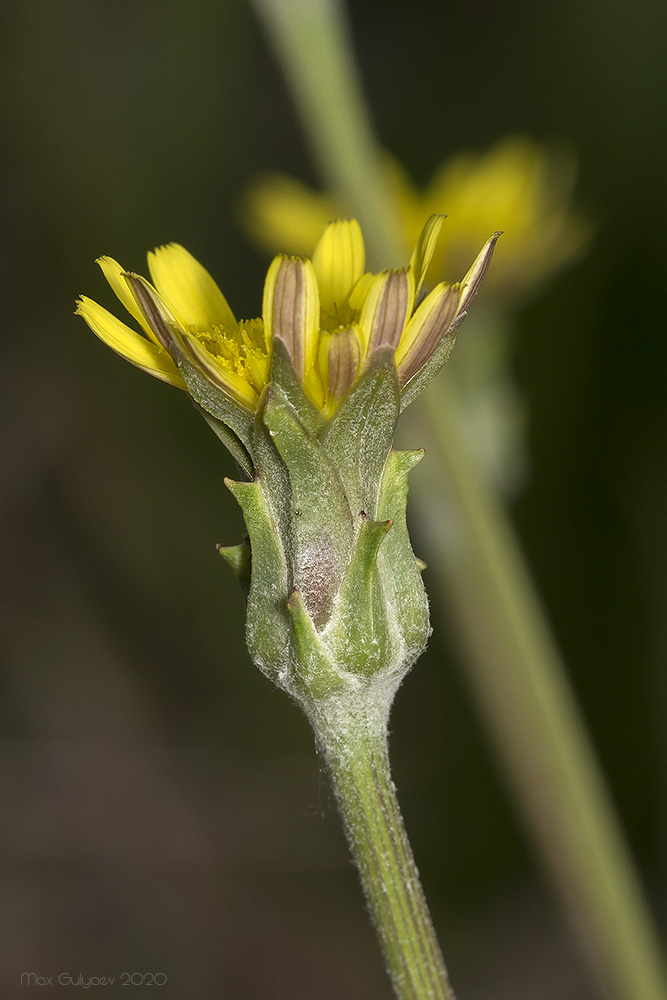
[(329, 313)]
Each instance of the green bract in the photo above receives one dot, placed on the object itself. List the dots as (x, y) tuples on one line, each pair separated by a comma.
[(306, 398), (335, 595)]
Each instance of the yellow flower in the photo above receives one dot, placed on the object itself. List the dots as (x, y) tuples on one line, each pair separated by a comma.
[(183, 298), (328, 312), (517, 187)]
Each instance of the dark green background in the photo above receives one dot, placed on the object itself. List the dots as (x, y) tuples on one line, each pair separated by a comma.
[(165, 811)]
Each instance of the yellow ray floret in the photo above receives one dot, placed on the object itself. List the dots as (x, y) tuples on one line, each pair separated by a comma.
[(330, 316), (115, 275), (386, 309), (338, 261), (422, 254), (188, 289), (292, 309), (130, 345), (281, 213), (519, 186), (185, 314), (340, 355), (426, 328)]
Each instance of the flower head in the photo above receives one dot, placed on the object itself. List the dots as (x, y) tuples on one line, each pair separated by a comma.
[(184, 305), (306, 398), (518, 186), (329, 314)]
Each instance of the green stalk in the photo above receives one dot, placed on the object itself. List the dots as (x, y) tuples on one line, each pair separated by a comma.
[(353, 742), (515, 670), (528, 706), (312, 41)]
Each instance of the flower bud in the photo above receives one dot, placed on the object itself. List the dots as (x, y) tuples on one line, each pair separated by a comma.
[(336, 599)]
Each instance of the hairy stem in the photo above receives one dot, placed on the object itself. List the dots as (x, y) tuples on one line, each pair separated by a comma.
[(515, 671), (353, 741)]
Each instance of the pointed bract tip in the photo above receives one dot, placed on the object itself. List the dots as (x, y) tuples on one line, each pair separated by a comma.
[(152, 308), (294, 599), (475, 275), (238, 558)]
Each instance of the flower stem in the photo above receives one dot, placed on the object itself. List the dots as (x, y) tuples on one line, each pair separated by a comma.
[(311, 39), (353, 741), (515, 671), (521, 686)]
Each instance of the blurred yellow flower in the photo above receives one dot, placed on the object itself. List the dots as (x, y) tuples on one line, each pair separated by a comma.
[(330, 314), (518, 187)]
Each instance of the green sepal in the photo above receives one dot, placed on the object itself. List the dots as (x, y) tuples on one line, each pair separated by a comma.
[(239, 560), (359, 630), (398, 566), (421, 379), (230, 441), (322, 529), (166, 328), (316, 676), (214, 400), (268, 629), (284, 376), (359, 437), (273, 475)]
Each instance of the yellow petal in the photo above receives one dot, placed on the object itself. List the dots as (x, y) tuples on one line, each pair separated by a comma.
[(292, 309), (338, 261), (284, 214), (313, 387), (130, 345), (114, 274), (361, 290), (522, 188), (423, 251), (340, 357), (473, 278), (165, 327), (387, 308), (430, 323), (220, 375), (188, 289)]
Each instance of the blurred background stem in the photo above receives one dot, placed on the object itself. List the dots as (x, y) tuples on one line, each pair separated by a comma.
[(514, 669), (529, 709), (312, 40)]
